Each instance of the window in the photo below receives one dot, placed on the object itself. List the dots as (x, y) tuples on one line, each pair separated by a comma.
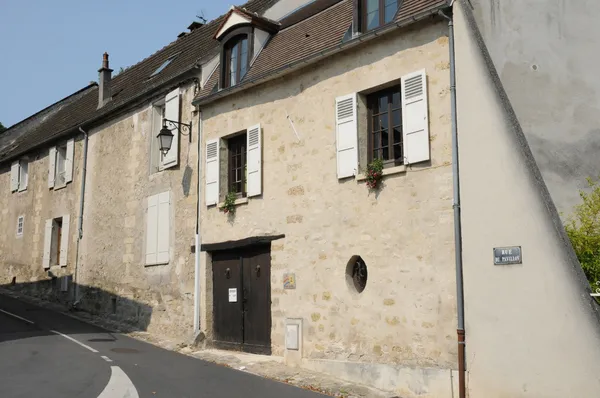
[(156, 158), (158, 229), (237, 165), (20, 222), (385, 127), (166, 108), (163, 65), (19, 175), (236, 60), (56, 241), (376, 13), (60, 167)]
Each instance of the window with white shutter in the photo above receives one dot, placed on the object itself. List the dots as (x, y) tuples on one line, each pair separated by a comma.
[(69, 157), (64, 241), (23, 174), (14, 176), (47, 243), (254, 161), (172, 113), (158, 229), (212, 172), (51, 166), (346, 129), (415, 122)]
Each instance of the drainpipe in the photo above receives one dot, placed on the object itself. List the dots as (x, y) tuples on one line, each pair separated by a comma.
[(198, 240), (80, 220), (460, 301)]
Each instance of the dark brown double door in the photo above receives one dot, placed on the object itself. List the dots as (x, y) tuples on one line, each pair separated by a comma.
[(242, 299)]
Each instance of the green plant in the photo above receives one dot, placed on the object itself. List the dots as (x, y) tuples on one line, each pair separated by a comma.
[(583, 228), (374, 173), (229, 203)]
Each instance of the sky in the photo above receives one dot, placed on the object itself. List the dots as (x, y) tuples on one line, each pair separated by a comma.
[(51, 48)]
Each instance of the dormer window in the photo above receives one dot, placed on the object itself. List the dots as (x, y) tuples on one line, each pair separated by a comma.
[(236, 59), (376, 13)]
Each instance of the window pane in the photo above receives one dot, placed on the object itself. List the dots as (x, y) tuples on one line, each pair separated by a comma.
[(233, 65), (376, 124), (391, 6), (398, 153), (243, 58), (376, 141), (372, 6), (382, 103), (397, 135), (396, 118), (372, 20), (396, 99), (384, 121), (384, 138)]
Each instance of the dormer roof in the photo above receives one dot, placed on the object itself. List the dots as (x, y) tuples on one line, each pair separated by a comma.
[(239, 17)]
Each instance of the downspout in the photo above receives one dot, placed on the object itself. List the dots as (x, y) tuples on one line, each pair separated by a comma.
[(198, 240), (460, 301), (80, 220)]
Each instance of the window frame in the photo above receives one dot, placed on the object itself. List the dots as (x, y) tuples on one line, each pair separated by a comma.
[(363, 14), (23, 172), (21, 224), (240, 141), (56, 241), (156, 156), (232, 38), (371, 100)]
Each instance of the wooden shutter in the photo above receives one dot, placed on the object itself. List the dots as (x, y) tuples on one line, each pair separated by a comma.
[(212, 172), (152, 230), (69, 160), (23, 175), (254, 161), (346, 135), (172, 113), (164, 228), (415, 123), (47, 244), (64, 241), (51, 166), (14, 176)]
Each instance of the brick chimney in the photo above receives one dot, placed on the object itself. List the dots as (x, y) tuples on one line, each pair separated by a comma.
[(105, 73)]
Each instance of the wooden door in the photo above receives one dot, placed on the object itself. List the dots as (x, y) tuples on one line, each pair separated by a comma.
[(227, 304), (257, 299)]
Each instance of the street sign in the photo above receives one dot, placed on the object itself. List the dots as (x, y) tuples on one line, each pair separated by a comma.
[(507, 255)]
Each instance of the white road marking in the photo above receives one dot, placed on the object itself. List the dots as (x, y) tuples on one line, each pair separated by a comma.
[(119, 385), (18, 317), (107, 359), (74, 341)]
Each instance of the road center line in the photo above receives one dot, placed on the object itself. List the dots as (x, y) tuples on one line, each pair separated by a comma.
[(107, 359), (119, 385), (18, 317), (74, 341)]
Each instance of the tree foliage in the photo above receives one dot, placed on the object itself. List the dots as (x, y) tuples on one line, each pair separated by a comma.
[(583, 228), (2, 128)]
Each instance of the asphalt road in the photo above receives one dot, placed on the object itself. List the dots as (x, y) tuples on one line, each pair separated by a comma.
[(47, 354)]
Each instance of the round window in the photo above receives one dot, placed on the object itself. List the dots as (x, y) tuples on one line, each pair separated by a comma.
[(356, 274)]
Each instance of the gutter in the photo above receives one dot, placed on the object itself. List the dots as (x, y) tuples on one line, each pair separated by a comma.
[(80, 219), (271, 75), (460, 301), (198, 239)]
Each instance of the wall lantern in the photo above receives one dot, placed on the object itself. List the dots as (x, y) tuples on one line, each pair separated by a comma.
[(165, 136)]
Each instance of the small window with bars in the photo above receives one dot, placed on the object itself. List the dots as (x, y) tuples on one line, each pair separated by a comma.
[(20, 223), (385, 127), (237, 165)]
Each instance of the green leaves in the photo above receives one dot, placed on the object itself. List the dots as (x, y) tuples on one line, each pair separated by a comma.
[(374, 173), (229, 203), (583, 228)]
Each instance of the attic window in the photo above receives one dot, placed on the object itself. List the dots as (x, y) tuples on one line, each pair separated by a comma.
[(163, 65), (376, 13)]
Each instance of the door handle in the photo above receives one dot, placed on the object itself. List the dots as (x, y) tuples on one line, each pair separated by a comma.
[(258, 270)]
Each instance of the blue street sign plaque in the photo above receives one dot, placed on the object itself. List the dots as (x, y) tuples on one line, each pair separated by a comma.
[(507, 255)]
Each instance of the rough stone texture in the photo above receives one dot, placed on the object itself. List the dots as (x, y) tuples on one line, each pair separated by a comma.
[(545, 53), (406, 314), (113, 279)]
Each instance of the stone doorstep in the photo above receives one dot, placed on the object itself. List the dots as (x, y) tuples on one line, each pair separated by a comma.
[(271, 367)]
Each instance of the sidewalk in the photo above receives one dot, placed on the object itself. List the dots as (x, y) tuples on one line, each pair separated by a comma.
[(271, 367)]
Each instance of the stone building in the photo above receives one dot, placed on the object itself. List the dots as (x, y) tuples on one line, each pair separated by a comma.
[(256, 230)]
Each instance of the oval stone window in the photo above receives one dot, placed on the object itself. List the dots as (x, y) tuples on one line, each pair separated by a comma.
[(356, 274)]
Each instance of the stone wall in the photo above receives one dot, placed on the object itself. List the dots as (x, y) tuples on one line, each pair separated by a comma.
[(406, 315)]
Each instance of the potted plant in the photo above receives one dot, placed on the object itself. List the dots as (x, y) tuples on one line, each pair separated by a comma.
[(374, 174), (229, 203)]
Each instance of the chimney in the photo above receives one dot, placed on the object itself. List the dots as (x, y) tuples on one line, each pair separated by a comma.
[(104, 82)]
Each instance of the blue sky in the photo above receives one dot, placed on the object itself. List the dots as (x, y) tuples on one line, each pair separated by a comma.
[(50, 49)]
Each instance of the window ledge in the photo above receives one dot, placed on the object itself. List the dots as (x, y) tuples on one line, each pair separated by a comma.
[(156, 264), (386, 172), (58, 187), (237, 202)]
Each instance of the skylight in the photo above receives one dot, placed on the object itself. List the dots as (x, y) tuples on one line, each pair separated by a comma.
[(164, 65)]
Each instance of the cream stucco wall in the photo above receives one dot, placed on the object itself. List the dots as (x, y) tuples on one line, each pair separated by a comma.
[(21, 257), (531, 328), (158, 298), (406, 315)]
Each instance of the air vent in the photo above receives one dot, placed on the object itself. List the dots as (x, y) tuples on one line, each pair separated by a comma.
[(344, 109), (211, 150), (413, 87)]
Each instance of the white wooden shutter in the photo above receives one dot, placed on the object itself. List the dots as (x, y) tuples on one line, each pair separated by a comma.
[(415, 123), (346, 135), (212, 172), (47, 244), (23, 175), (69, 160), (172, 113), (152, 230), (254, 161), (14, 176), (164, 228), (51, 166), (64, 240)]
